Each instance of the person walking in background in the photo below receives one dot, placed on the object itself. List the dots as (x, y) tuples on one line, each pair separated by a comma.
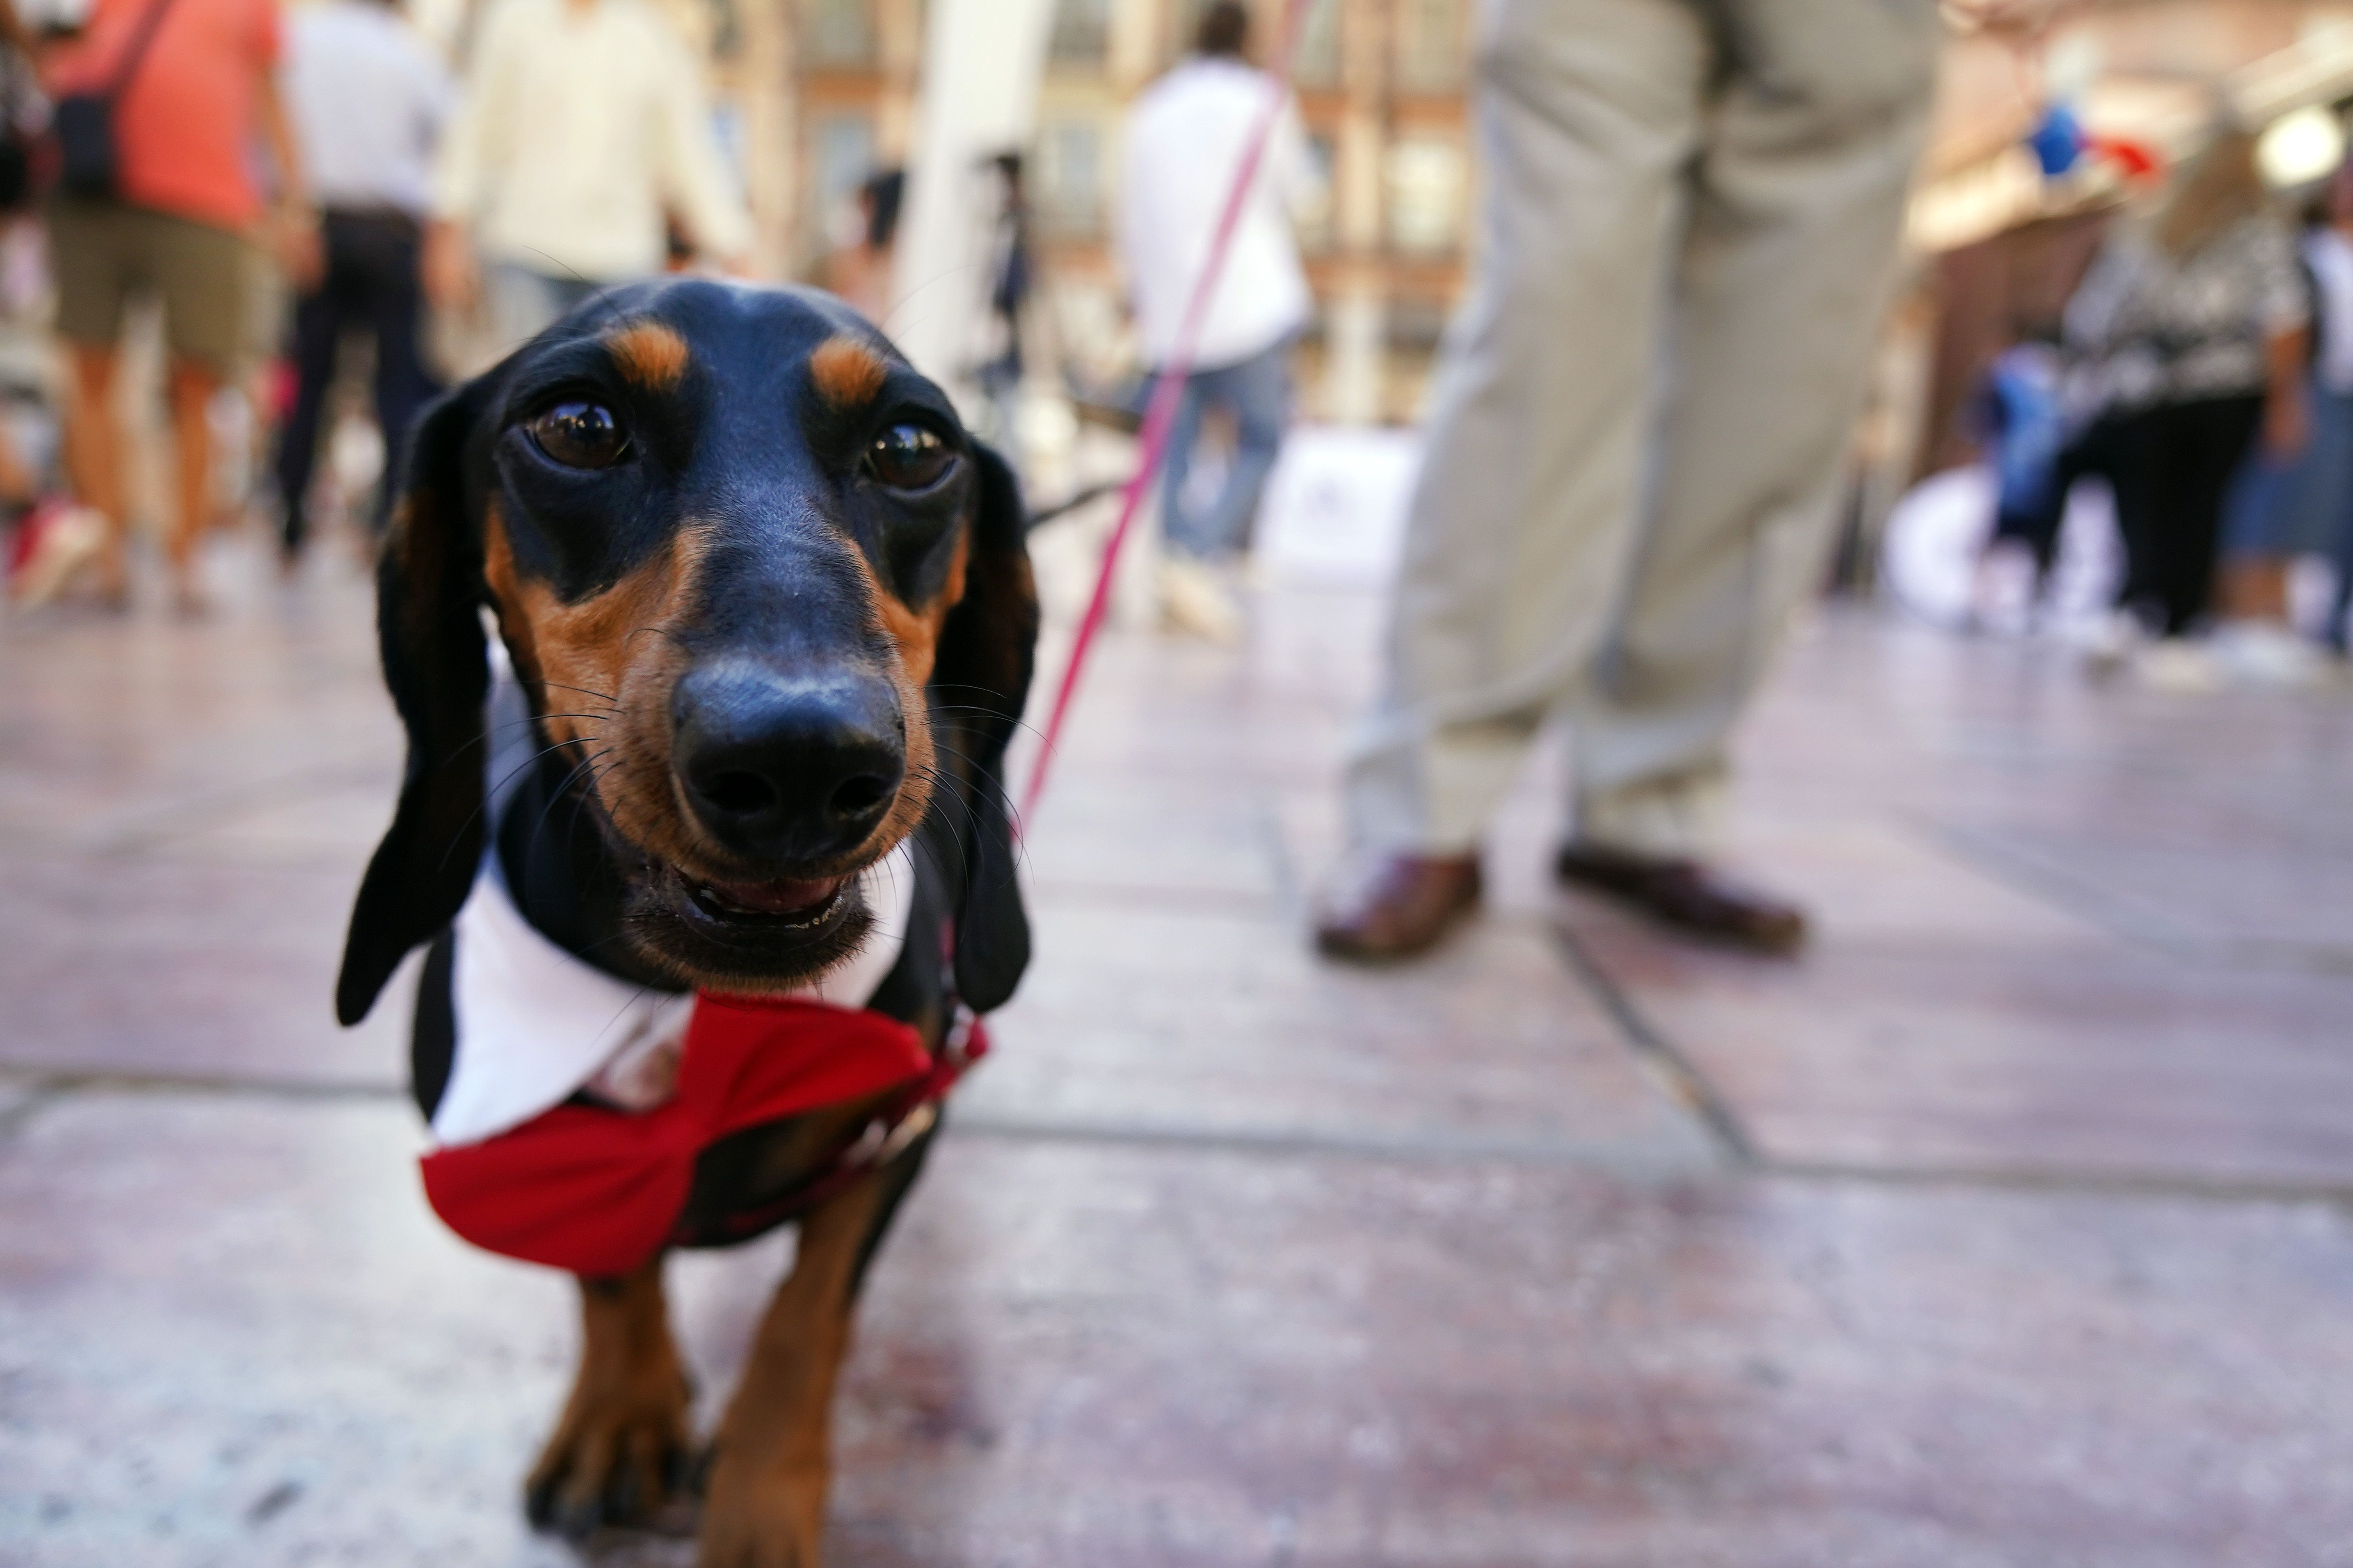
[(1012, 272), (194, 88), (1185, 144), (583, 125), (2196, 314), (2025, 431), (2325, 492), (1635, 457), (859, 269), (2303, 504), (368, 97)]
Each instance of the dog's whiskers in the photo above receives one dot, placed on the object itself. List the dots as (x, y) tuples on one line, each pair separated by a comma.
[(605, 697)]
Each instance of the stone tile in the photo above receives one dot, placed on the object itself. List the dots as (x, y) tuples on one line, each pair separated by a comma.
[(2214, 822), (17, 1091), (2072, 1060), (2062, 927), (131, 964), (1140, 1018), (231, 1334), (110, 722), (2267, 895), (329, 817), (1150, 836), (1165, 1359), (1884, 883), (1176, 710)]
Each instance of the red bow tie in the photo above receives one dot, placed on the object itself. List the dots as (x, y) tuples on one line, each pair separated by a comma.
[(600, 1192)]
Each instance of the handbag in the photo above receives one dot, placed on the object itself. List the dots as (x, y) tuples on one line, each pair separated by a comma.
[(89, 161)]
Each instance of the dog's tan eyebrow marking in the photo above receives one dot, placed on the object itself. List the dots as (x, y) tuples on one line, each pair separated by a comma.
[(649, 354), (847, 373)]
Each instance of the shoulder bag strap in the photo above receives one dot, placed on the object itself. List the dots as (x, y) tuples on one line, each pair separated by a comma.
[(136, 54)]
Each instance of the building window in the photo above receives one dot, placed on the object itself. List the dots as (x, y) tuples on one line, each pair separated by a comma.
[(1429, 45), (844, 146), (1081, 35), (840, 34), (1070, 189), (1317, 63), (1415, 325), (1315, 223), (1424, 176)]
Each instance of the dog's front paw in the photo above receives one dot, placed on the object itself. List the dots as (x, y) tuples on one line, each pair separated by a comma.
[(760, 1517), (618, 1456)]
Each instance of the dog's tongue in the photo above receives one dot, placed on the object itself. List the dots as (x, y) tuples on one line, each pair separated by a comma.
[(779, 898)]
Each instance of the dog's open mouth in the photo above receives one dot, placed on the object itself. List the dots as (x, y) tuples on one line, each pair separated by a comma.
[(794, 903), (752, 937), (748, 935)]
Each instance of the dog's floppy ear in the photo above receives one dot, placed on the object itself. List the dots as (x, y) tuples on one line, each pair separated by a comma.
[(429, 628), (981, 679)]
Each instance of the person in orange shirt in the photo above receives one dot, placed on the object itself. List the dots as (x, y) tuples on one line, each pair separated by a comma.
[(186, 205)]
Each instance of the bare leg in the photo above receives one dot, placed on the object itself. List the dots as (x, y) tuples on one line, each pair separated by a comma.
[(622, 1437), (191, 443), (94, 457)]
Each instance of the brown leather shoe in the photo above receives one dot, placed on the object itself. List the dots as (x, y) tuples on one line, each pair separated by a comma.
[(1687, 895), (1397, 907)]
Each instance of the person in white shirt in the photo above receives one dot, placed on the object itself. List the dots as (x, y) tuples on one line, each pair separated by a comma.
[(584, 129), (1186, 141), (368, 97)]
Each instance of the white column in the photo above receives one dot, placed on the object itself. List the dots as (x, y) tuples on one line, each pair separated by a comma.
[(982, 61)]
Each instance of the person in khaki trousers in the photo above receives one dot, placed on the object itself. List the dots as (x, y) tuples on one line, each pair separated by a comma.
[(1689, 237)]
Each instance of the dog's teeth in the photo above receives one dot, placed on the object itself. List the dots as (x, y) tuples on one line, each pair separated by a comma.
[(809, 900)]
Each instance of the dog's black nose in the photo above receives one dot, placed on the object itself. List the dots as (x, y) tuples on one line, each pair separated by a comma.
[(787, 769)]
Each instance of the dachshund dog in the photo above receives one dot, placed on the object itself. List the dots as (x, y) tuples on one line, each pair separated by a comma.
[(771, 618)]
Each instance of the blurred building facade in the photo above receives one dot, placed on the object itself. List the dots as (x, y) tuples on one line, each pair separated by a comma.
[(1381, 86), (814, 96)]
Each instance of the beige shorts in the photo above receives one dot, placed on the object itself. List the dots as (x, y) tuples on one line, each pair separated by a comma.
[(103, 253)]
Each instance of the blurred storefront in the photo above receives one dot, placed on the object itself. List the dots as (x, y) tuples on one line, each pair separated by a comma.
[(2004, 237)]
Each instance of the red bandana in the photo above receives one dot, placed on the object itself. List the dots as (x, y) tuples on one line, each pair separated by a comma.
[(598, 1192)]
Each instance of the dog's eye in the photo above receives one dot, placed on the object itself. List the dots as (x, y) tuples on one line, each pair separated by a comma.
[(579, 435), (909, 457)]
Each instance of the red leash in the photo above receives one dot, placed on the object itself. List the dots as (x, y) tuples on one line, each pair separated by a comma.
[(1168, 388)]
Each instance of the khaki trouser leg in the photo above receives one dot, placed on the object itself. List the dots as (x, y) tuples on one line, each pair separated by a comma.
[(1587, 112), (1785, 270)]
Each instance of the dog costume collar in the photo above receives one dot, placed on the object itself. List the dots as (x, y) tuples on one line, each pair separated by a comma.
[(536, 1026), (577, 1103), (600, 1192)]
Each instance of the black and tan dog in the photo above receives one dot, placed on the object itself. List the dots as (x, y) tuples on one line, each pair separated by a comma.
[(771, 606)]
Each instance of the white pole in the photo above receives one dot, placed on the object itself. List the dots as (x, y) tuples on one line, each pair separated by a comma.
[(982, 61)]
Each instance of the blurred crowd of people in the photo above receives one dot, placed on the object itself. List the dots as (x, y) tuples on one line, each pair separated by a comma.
[(283, 183), (2203, 368)]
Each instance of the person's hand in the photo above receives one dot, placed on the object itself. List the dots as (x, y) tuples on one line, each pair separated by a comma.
[(295, 239), (452, 280), (2287, 425)]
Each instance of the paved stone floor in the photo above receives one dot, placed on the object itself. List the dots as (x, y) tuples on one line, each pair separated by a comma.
[(2009, 1226)]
